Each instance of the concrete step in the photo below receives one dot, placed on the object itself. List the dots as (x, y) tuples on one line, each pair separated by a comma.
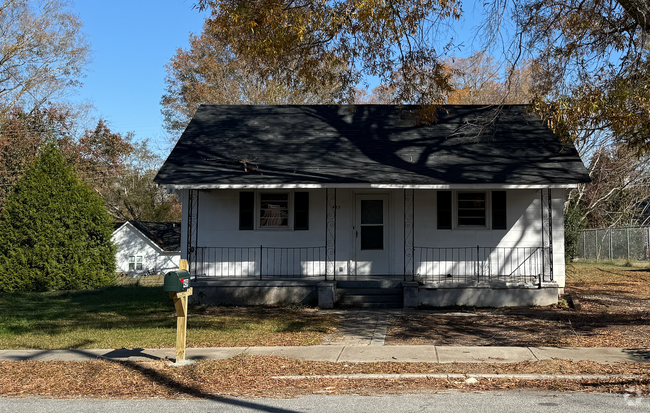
[(369, 305), (369, 291), (369, 284), (361, 298)]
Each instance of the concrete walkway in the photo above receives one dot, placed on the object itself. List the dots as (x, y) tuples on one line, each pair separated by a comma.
[(358, 354)]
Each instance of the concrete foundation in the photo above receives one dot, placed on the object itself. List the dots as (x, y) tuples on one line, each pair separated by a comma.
[(488, 296), (322, 293), (326, 294), (254, 292), (411, 294)]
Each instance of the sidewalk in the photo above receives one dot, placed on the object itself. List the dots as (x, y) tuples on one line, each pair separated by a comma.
[(352, 354), (359, 339)]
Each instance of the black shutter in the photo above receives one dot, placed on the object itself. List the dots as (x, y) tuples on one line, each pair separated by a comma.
[(246, 211), (499, 212), (301, 211), (444, 209)]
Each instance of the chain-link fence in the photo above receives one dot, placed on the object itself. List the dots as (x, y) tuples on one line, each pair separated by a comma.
[(608, 244)]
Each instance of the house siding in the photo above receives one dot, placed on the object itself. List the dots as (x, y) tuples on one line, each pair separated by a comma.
[(218, 226), (131, 243)]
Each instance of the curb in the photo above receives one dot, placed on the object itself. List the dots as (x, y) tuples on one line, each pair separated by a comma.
[(445, 376)]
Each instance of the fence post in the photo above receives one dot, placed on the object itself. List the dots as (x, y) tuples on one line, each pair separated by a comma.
[(261, 253), (611, 248), (627, 232), (478, 252)]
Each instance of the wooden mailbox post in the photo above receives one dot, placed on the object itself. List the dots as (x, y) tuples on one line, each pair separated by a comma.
[(180, 302)]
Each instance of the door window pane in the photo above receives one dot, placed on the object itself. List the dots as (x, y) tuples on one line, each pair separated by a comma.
[(372, 237), (372, 211)]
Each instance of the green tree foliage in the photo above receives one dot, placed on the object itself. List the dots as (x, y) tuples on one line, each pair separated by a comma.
[(56, 232), (573, 223)]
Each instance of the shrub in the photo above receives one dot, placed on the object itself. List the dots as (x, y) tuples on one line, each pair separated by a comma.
[(56, 231)]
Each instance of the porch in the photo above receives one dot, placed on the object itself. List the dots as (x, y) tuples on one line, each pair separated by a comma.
[(441, 277), (469, 266)]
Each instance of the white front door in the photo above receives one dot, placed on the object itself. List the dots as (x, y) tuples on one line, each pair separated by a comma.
[(371, 235)]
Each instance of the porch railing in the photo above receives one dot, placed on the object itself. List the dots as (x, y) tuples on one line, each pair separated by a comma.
[(259, 262), (478, 264)]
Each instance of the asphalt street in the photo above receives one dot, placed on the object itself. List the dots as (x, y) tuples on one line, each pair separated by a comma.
[(485, 402)]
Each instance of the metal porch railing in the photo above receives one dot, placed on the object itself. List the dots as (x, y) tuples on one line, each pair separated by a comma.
[(260, 262), (479, 264)]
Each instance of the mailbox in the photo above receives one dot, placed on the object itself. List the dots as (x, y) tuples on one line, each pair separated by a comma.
[(177, 281)]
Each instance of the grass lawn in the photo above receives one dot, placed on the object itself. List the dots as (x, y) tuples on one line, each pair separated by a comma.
[(141, 315)]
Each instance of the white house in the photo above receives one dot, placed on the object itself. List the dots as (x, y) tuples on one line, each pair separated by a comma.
[(465, 211), (147, 247)]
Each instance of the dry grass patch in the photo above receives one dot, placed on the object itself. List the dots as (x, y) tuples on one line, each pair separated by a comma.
[(615, 312)]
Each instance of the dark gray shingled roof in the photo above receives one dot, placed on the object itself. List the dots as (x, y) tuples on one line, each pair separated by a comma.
[(167, 235), (368, 144)]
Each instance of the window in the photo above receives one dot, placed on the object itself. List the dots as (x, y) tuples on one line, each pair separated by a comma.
[(261, 210), (471, 209), (135, 263), (274, 210)]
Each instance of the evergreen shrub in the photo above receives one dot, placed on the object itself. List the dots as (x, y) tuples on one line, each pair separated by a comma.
[(55, 231)]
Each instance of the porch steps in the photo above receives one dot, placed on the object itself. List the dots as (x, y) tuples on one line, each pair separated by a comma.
[(369, 294)]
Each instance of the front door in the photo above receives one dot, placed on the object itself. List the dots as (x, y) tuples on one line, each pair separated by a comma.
[(371, 235)]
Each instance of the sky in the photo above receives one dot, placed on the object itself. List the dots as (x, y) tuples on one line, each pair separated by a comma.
[(131, 41)]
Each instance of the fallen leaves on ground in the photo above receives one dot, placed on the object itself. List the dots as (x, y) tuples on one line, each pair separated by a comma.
[(615, 312), (252, 376)]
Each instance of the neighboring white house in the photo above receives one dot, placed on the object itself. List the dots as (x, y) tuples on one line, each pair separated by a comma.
[(147, 247), (470, 208)]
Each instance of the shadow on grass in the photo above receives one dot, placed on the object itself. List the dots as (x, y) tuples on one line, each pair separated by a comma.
[(511, 327), (60, 311)]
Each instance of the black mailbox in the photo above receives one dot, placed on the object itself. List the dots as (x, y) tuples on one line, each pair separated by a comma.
[(177, 281)]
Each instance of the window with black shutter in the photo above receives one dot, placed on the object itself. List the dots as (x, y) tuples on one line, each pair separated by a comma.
[(246, 211), (444, 210), (499, 213), (301, 211)]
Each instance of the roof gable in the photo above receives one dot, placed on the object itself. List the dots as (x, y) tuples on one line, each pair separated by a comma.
[(165, 235), (374, 144)]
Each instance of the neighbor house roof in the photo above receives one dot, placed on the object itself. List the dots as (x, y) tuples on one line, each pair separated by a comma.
[(167, 235), (246, 145)]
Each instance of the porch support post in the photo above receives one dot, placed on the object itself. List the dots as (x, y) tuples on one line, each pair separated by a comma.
[(330, 233), (547, 235), (409, 216), (192, 229)]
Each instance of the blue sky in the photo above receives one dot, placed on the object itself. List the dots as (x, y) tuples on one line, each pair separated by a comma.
[(131, 42)]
